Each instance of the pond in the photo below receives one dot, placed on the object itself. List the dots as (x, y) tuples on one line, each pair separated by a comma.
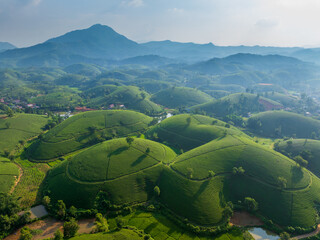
[(261, 234)]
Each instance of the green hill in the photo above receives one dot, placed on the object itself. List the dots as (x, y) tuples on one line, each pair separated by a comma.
[(187, 131), (284, 99), (20, 127), (9, 172), (86, 129), (127, 172), (204, 196), (238, 103), (281, 123), (176, 97), (129, 96), (309, 149)]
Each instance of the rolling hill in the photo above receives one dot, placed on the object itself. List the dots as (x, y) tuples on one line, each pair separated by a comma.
[(129, 96), (280, 123), (238, 103), (127, 172), (86, 129), (177, 97), (190, 131)]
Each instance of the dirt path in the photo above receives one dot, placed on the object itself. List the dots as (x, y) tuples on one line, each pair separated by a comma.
[(315, 232), (244, 219), (17, 180), (49, 226)]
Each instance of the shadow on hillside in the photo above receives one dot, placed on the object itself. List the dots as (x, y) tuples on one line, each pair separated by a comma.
[(139, 160), (297, 174), (201, 189), (118, 151)]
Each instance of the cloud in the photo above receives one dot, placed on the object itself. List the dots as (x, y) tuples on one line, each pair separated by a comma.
[(132, 3), (176, 10), (266, 23), (36, 2)]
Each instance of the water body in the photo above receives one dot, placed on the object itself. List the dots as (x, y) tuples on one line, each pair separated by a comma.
[(164, 117), (261, 234)]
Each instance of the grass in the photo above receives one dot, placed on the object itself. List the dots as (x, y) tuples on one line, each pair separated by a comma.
[(190, 131), (27, 190), (281, 123), (83, 130), (9, 172), (177, 97), (127, 172), (161, 228), (297, 146), (123, 234), (20, 127), (238, 103)]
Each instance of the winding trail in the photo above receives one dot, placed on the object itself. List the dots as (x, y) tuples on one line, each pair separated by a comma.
[(17, 180), (315, 232)]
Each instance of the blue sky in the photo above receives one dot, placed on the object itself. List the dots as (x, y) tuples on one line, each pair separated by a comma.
[(222, 22)]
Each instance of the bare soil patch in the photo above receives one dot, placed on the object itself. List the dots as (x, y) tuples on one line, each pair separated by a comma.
[(243, 219), (49, 226)]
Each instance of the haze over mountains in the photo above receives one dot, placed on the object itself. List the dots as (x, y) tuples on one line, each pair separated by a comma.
[(102, 45)]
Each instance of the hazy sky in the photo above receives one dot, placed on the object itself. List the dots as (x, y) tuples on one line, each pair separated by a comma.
[(222, 22)]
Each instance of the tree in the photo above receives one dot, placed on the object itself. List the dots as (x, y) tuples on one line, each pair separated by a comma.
[(25, 234), (188, 120), (58, 235), (61, 209), (73, 211), (70, 228), (284, 236), (8, 124), (238, 171), (250, 204), (211, 173), (282, 182), (101, 224), (129, 140), (147, 150), (9, 112), (156, 191), (299, 160), (189, 172), (46, 201)]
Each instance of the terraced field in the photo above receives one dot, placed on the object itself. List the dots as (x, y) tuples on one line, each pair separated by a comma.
[(20, 127), (87, 129), (187, 131), (9, 173)]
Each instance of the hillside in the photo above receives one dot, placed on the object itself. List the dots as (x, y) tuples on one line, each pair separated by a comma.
[(309, 149), (177, 97), (9, 172), (190, 131), (238, 103), (129, 96), (86, 129), (128, 172), (18, 128), (280, 123), (202, 194)]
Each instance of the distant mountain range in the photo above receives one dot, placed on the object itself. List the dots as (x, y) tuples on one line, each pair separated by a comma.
[(102, 45), (6, 46)]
